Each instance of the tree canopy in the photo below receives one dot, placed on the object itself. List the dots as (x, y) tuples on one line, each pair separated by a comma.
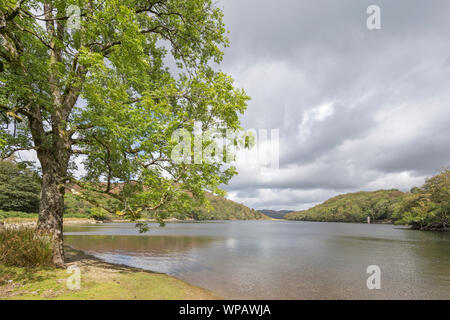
[(102, 90), (425, 208), (110, 82), (428, 207), (19, 188), (354, 207)]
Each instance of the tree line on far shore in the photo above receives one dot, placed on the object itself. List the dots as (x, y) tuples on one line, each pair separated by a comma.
[(20, 188), (423, 208)]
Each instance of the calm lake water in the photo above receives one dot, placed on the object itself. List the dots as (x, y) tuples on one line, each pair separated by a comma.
[(280, 259)]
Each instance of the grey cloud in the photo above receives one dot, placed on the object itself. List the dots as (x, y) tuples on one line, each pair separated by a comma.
[(389, 90)]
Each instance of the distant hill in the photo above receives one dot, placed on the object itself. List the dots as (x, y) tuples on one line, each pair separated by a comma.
[(380, 205), (275, 214), (223, 209)]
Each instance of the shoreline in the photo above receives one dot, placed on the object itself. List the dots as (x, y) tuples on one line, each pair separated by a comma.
[(100, 280), (32, 222), (387, 223)]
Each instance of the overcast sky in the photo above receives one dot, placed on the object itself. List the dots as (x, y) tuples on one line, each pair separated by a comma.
[(357, 109)]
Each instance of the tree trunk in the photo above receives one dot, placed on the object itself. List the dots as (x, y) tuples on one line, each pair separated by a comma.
[(52, 208)]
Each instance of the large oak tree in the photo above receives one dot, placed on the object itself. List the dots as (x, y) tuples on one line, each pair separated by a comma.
[(97, 86)]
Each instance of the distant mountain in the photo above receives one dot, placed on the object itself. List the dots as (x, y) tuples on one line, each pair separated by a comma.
[(381, 205), (275, 214)]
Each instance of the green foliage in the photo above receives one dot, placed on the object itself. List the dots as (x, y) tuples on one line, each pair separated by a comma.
[(354, 207), (425, 208), (218, 208), (428, 208), (24, 247), (18, 275), (100, 281), (19, 187), (102, 90), (142, 227), (17, 214), (223, 209), (74, 207), (99, 214)]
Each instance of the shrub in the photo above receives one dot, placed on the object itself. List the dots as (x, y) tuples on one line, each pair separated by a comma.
[(25, 247), (75, 207), (19, 187), (99, 214)]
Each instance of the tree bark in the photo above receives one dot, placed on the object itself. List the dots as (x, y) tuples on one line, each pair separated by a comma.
[(51, 208)]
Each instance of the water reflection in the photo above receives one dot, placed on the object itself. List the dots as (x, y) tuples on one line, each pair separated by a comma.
[(281, 260), (154, 246), (167, 254)]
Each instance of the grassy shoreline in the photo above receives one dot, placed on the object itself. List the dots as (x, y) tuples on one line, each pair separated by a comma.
[(99, 281), (19, 221)]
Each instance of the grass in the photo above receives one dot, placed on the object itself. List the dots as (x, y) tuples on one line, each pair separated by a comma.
[(17, 214), (99, 281), (24, 247), (26, 273), (25, 215), (34, 220)]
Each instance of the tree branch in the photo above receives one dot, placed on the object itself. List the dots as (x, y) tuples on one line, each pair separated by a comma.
[(12, 15), (11, 152)]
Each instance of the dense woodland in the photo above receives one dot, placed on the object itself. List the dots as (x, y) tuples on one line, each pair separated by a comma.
[(216, 208), (19, 197), (354, 207), (424, 208), (19, 187), (224, 209)]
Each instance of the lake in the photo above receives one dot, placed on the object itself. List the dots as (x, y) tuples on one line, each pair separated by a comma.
[(280, 259)]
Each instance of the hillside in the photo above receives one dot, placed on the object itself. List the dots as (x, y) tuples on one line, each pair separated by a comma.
[(275, 214), (222, 209), (19, 198), (225, 209), (380, 205)]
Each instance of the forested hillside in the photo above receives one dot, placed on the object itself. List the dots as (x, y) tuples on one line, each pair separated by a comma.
[(424, 208), (220, 209), (354, 207), (19, 197), (428, 207), (225, 209)]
